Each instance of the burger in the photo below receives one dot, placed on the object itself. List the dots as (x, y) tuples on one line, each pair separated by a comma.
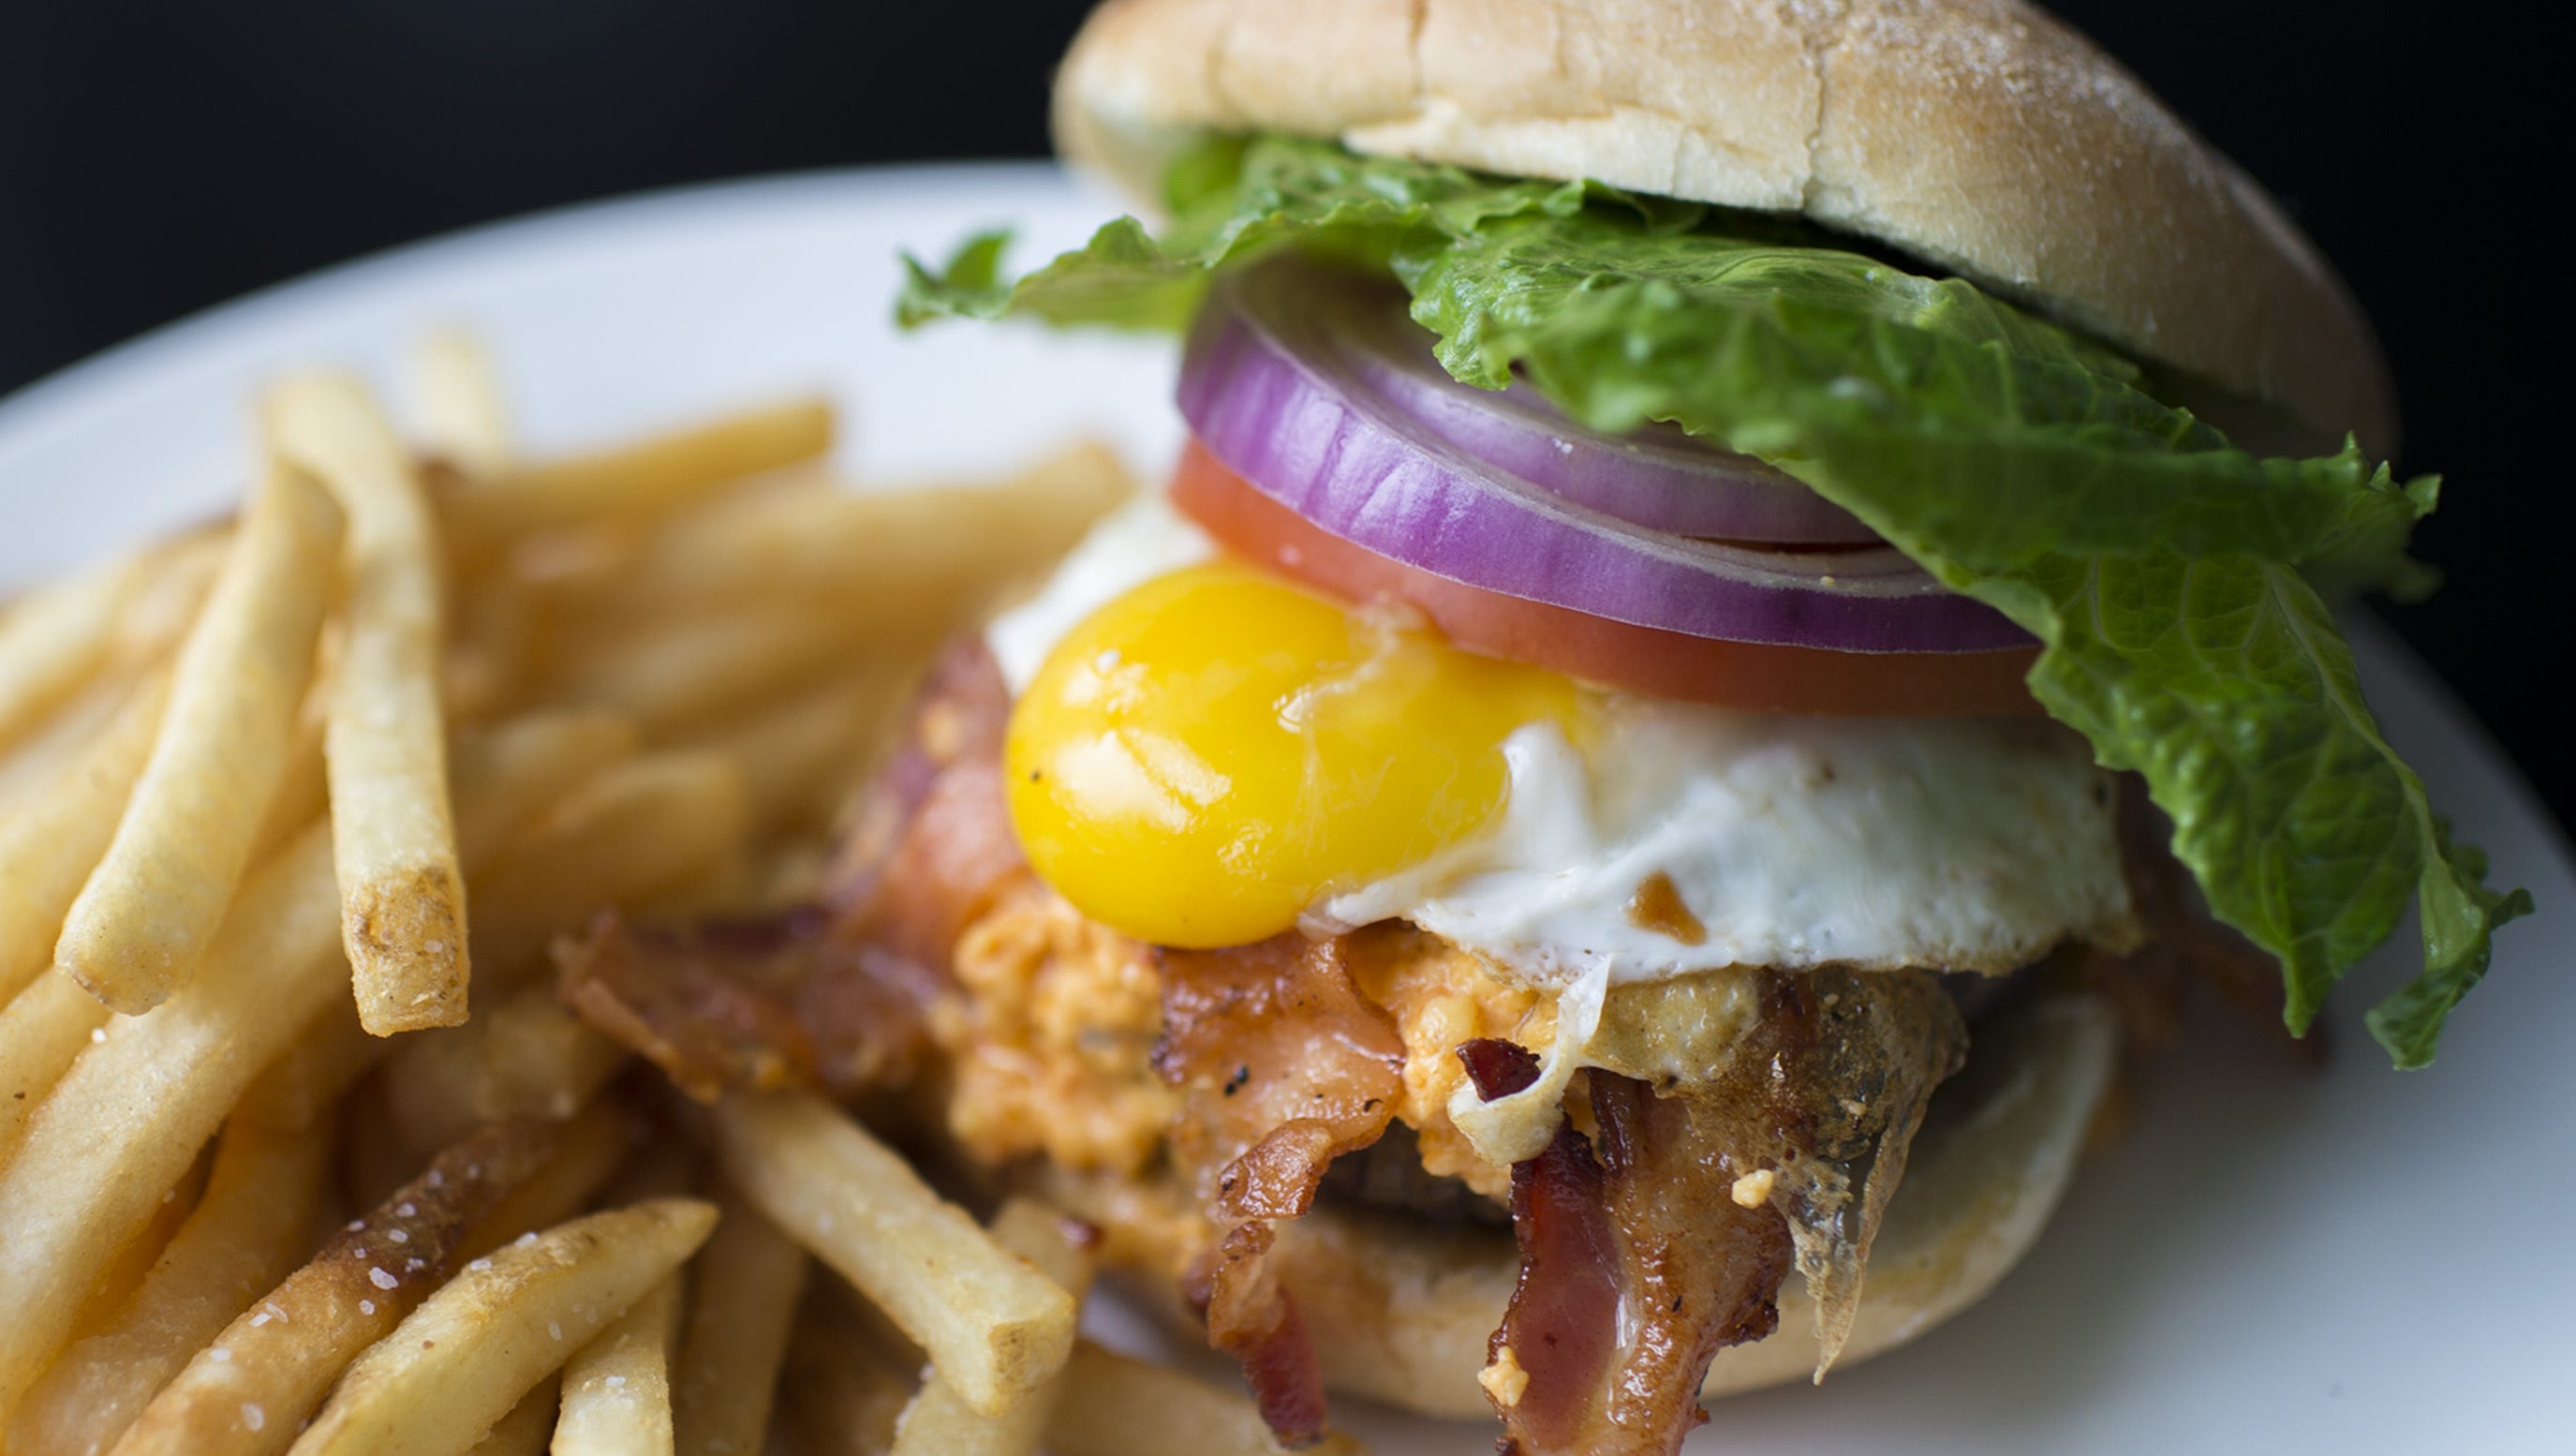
[(1747, 599)]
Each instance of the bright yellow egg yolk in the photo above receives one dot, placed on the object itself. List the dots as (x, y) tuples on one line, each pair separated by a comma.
[(1203, 757)]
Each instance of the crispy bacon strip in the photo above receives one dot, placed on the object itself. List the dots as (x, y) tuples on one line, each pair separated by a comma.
[(1827, 1093), (1637, 1267), (776, 1003), (836, 993), (932, 846), (1283, 1068)]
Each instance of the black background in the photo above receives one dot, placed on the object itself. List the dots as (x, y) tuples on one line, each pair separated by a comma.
[(158, 158)]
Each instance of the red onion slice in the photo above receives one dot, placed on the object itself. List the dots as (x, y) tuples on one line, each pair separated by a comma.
[(1657, 477), (1277, 404)]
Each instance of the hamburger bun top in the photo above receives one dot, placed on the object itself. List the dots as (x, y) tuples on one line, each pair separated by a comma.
[(1982, 136)]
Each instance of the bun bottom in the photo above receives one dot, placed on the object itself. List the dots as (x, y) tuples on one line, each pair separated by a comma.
[(1400, 1309)]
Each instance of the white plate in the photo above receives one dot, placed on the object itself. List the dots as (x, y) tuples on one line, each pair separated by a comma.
[(2353, 1262)]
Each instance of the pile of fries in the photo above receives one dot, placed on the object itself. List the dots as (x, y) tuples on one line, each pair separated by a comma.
[(298, 1151)]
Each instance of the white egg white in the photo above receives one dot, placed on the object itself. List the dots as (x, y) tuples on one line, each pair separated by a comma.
[(1794, 842)]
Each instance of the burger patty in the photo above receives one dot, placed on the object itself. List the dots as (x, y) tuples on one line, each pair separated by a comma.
[(1388, 1176)]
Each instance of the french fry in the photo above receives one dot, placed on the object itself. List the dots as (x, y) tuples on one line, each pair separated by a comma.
[(815, 739), (245, 1233), (490, 652), (939, 1422), (589, 1150), (149, 908), (529, 1428), (547, 755), (458, 395), (841, 1390), (1117, 1405), (129, 1116), (303, 790), (42, 1032), (693, 673), (742, 1306), (617, 1388), (460, 1361), (402, 890), (177, 575), (268, 1369), (38, 762), (131, 1113), (930, 554), (126, 1271), (614, 840), (55, 637), (995, 1327), (539, 1060), (542, 754), (639, 480), (48, 846)]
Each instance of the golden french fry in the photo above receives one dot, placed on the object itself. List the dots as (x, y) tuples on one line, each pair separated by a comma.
[(460, 1361), (129, 1116), (392, 828), (639, 480), (929, 555), (939, 1422), (684, 676), (589, 1150), (53, 639), (529, 1428), (125, 1272), (38, 762), (539, 1060), (791, 754), (995, 1327), (46, 850), (48, 845), (615, 840), (177, 575), (1117, 1405), (42, 1032), (126, 1120), (149, 908), (303, 790), (458, 395), (742, 1306), (548, 754), (542, 754), (493, 644), (247, 1230), (246, 1392), (617, 1388)]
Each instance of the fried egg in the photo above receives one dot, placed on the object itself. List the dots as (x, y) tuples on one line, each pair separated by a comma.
[(1202, 754)]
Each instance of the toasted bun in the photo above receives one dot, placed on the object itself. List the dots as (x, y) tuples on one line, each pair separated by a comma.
[(1400, 1309), (1982, 136)]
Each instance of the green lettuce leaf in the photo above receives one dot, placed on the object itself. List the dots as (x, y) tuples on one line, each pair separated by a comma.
[(2168, 575)]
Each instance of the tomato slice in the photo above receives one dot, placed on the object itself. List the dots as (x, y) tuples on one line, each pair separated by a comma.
[(1755, 676)]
